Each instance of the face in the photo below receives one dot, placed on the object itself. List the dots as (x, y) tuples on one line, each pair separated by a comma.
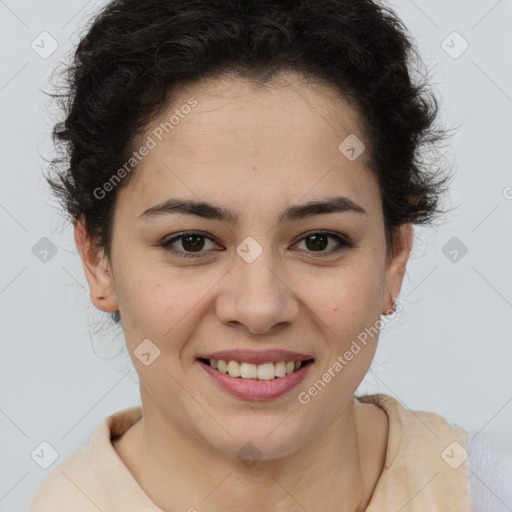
[(256, 273)]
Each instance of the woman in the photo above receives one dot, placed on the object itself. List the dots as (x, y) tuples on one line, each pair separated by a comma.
[(243, 179)]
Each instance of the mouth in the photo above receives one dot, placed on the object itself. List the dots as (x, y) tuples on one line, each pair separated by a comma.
[(258, 379)]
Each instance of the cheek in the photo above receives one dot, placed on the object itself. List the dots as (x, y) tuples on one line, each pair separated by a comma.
[(348, 300), (152, 308), (348, 309), (162, 305), (145, 298)]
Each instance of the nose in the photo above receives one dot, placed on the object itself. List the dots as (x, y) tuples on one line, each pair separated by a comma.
[(257, 296)]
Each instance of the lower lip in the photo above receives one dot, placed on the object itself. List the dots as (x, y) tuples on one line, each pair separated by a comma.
[(252, 389)]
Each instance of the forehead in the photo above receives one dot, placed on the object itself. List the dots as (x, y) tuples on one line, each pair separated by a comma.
[(240, 109), (232, 140)]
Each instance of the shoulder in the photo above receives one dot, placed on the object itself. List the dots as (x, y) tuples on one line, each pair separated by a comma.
[(490, 458), (423, 447), (489, 455), (87, 479), (70, 487)]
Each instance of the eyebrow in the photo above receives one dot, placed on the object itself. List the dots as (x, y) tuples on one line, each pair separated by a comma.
[(206, 210)]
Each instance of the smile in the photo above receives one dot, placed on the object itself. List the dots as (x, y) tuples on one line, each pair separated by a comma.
[(250, 381)]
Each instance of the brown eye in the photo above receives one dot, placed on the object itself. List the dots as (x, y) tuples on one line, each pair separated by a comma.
[(319, 241), (191, 244)]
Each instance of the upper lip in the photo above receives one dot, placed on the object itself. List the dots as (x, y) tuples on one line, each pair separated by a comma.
[(256, 357)]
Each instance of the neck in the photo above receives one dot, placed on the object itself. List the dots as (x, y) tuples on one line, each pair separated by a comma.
[(179, 471)]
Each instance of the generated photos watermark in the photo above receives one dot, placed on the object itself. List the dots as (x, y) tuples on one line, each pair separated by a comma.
[(304, 397), (137, 156)]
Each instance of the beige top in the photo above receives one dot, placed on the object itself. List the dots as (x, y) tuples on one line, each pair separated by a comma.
[(426, 468)]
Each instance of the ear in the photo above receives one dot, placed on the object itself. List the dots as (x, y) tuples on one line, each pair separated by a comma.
[(395, 266), (97, 270)]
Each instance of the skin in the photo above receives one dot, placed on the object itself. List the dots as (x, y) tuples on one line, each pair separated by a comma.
[(256, 151)]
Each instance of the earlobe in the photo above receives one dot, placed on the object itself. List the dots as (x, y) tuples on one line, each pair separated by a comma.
[(97, 270)]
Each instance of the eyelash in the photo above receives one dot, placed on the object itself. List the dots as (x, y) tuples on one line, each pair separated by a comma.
[(343, 241)]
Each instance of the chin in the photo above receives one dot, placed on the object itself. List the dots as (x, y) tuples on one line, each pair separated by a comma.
[(251, 441)]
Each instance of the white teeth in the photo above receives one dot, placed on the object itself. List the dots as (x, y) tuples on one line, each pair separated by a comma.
[(249, 371), (265, 371), (280, 369), (234, 369)]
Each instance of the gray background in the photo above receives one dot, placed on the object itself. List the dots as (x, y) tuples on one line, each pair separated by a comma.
[(448, 351)]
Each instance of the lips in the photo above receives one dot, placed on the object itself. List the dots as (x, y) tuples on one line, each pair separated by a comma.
[(266, 386)]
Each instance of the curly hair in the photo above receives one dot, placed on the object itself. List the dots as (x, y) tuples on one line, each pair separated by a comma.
[(137, 53)]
